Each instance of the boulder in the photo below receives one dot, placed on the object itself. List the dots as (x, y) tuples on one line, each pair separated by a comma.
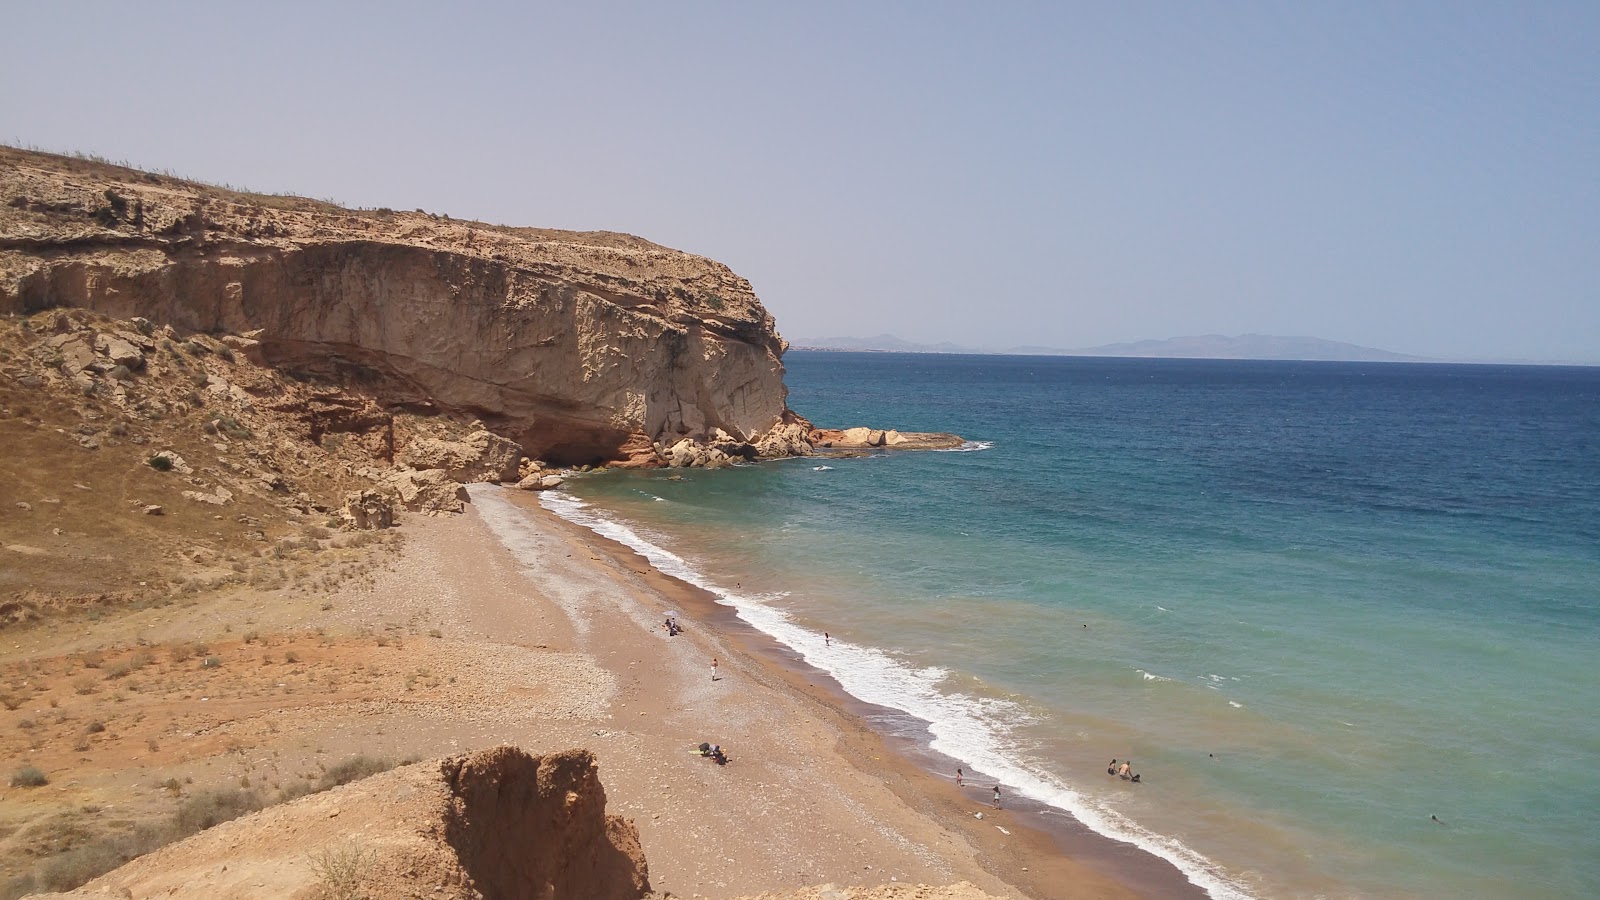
[(686, 454), (859, 437), (540, 481), (785, 439), (480, 456), (119, 350), (369, 509), (426, 490), (76, 354), (247, 347), (220, 496)]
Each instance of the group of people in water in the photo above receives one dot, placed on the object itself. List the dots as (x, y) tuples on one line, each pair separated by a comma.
[(1123, 770)]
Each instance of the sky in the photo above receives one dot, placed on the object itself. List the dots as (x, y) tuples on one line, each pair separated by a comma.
[(1412, 176)]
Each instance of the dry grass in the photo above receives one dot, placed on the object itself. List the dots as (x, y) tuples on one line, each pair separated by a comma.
[(341, 871)]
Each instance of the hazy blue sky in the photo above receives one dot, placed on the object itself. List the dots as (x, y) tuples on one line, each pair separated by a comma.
[(1421, 177)]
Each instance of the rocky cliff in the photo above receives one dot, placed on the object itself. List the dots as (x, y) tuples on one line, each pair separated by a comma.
[(581, 347)]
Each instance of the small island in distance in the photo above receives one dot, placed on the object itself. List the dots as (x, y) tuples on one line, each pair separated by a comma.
[(1208, 346)]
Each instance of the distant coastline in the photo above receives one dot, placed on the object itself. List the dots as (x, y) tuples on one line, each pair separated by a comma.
[(1214, 346)]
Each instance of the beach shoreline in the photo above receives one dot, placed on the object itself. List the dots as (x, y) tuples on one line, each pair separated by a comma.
[(1035, 850)]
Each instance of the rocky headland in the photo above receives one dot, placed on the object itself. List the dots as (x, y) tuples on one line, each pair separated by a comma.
[(580, 347)]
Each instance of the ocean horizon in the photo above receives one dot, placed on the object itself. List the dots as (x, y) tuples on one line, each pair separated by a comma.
[(1317, 604)]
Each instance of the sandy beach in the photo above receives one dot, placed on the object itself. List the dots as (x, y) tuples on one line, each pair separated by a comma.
[(812, 794)]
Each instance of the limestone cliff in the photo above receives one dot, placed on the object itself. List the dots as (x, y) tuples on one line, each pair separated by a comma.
[(581, 347)]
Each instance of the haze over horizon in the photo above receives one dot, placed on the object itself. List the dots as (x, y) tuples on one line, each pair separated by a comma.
[(1420, 179)]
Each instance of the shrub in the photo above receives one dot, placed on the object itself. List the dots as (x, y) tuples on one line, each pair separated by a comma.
[(11, 701), (29, 776), (341, 870), (353, 769), (160, 463), (212, 662), (210, 808), (78, 866)]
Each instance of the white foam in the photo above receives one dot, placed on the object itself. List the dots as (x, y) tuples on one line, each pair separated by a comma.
[(966, 447), (822, 468), (1235, 704), (974, 729)]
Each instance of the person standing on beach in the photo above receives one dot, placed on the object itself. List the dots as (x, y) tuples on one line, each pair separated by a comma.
[(959, 776), (996, 796), (827, 639), (713, 668)]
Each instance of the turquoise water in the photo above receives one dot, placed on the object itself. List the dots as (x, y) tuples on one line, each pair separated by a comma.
[(1324, 601)]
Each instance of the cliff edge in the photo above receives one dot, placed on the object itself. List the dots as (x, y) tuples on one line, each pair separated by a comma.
[(582, 347)]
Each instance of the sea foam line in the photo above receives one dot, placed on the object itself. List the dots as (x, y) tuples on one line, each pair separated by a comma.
[(966, 447), (965, 727)]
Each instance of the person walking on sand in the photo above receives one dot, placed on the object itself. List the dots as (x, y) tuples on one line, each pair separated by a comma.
[(996, 803), (713, 668), (959, 776)]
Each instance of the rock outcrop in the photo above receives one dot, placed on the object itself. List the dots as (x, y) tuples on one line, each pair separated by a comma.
[(498, 823), (579, 347), (824, 439), (426, 490), (481, 456)]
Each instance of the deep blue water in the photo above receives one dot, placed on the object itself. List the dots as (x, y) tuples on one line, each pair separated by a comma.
[(1324, 601)]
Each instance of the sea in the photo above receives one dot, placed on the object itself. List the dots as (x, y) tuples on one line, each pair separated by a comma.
[(1344, 618)]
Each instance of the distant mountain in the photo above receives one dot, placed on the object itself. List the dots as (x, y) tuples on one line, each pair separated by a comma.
[(883, 342), (1247, 346), (1208, 346)]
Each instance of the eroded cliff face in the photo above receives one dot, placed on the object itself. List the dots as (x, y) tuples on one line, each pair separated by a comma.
[(581, 347)]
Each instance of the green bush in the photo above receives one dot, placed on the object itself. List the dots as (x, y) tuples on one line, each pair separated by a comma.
[(160, 463), (29, 776)]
